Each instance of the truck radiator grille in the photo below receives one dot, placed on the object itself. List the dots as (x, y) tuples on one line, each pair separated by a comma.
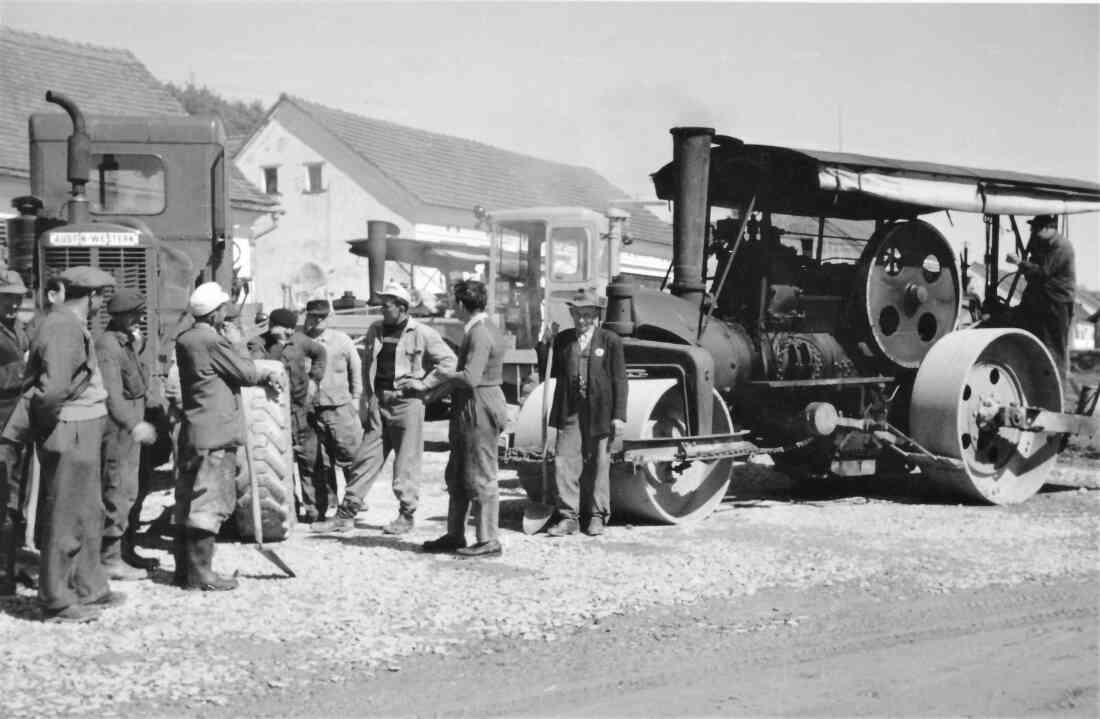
[(130, 267)]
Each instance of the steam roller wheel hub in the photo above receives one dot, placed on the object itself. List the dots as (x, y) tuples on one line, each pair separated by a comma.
[(963, 381)]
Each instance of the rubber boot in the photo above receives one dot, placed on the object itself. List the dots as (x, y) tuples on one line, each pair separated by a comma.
[(110, 556), (179, 552), (130, 555), (200, 556), (9, 544)]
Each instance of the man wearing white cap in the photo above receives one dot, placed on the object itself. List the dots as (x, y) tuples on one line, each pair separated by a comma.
[(403, 359), (211, 370)]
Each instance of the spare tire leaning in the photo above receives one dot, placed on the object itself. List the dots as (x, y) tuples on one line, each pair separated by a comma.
[(270, 452)]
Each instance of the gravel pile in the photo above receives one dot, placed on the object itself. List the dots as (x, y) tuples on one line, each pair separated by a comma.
[(362, 601)]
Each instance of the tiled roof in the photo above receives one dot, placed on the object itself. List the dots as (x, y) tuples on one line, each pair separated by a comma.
[(101, 80), (453, 172)]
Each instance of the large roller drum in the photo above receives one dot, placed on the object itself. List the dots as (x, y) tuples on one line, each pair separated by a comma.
[(656, 492), (907, 291), (972, 370)]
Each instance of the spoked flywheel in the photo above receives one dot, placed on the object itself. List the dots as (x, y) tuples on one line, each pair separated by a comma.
[(908, 291)]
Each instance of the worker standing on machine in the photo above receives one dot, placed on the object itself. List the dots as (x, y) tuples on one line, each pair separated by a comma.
[(1046, 307), (589, 409)]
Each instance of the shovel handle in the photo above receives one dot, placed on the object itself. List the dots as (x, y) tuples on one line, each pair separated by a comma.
[(546, 416)]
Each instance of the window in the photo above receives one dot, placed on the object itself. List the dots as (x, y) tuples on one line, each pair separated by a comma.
[(568, 253), (313, 177), (271, 180), (126, 185)]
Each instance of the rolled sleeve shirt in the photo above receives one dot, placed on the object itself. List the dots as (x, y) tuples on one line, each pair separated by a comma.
[(343, 379)]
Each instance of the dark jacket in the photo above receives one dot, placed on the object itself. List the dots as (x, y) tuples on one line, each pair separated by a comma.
[(607, 386), (124, 377), (303, 357), (1051, 274), (211, 375), (60, 369), (13, 349)]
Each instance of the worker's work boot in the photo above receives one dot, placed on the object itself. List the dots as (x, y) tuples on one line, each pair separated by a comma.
[(488, 548), (110, 556), (130, 555), (446, 543), (73, 614), (344, 521), (200, 556), (402, 525), (8, 547), (563, 528), (595, 526)]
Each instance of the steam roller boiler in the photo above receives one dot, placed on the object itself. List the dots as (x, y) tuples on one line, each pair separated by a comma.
[(813, 316)]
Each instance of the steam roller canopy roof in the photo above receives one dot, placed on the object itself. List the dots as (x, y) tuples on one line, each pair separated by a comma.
[(861, 187)]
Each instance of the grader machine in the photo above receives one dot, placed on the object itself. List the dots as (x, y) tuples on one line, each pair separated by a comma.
[(831, 364)]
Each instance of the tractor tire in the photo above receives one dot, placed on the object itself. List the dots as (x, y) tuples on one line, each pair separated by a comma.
[(268, 452)]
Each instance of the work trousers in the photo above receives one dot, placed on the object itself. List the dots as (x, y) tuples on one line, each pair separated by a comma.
[(582, 466), (13, 467), (395, 425), (340, 432), (71, 515), (206, 490), (1050, 322), (477, 418), (305, 455), (121, 469)]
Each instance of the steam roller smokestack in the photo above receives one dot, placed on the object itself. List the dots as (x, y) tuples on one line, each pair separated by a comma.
[(691, 154), (377, 233)]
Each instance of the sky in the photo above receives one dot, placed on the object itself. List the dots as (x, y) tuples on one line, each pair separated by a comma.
[(1013, 87)]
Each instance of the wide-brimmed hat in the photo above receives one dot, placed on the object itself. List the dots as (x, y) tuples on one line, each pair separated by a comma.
[(1043, 221)]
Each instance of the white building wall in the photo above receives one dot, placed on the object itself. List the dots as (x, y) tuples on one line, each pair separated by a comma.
[(306, 256)]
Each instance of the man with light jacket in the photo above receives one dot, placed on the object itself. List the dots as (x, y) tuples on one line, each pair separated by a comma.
[(399, 350)]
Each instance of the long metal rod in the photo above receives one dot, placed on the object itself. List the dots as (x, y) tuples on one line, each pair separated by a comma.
[(729, 263)]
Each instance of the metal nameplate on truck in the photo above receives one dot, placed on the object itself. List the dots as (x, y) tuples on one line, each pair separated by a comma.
[(95, 239)]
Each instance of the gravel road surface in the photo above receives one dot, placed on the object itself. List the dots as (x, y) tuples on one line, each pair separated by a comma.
[(350, 635)]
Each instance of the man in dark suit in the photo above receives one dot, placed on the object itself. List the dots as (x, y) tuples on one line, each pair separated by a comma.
[(478, 416), (589, 408)]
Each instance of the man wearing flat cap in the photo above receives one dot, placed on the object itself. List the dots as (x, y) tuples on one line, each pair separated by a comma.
[(588, 409), (68, 409), (1046, 307), (305, 365), (124, 433), (403, 359), (13, 350), (211, 374), (336, 407)]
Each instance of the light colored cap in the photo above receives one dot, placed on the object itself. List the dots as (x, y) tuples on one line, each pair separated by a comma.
[(397, 292), (11, 283), (586, 299), (206, 298)]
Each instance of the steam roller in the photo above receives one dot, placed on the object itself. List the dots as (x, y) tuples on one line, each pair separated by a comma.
[(665, 492), (978, 403)]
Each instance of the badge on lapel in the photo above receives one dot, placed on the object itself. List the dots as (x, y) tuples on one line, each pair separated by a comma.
[(599, 352)]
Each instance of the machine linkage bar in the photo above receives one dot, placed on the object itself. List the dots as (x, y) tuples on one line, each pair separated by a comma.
[(1031, 419), (686, 449)]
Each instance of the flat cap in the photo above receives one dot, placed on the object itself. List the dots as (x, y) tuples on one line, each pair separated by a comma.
[(88, 277), (586, 299), (125, 299), (11, 283), (318, 307), (283, 317)]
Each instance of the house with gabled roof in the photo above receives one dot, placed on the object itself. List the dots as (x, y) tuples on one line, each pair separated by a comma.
[(334, 170), (102, 81)]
